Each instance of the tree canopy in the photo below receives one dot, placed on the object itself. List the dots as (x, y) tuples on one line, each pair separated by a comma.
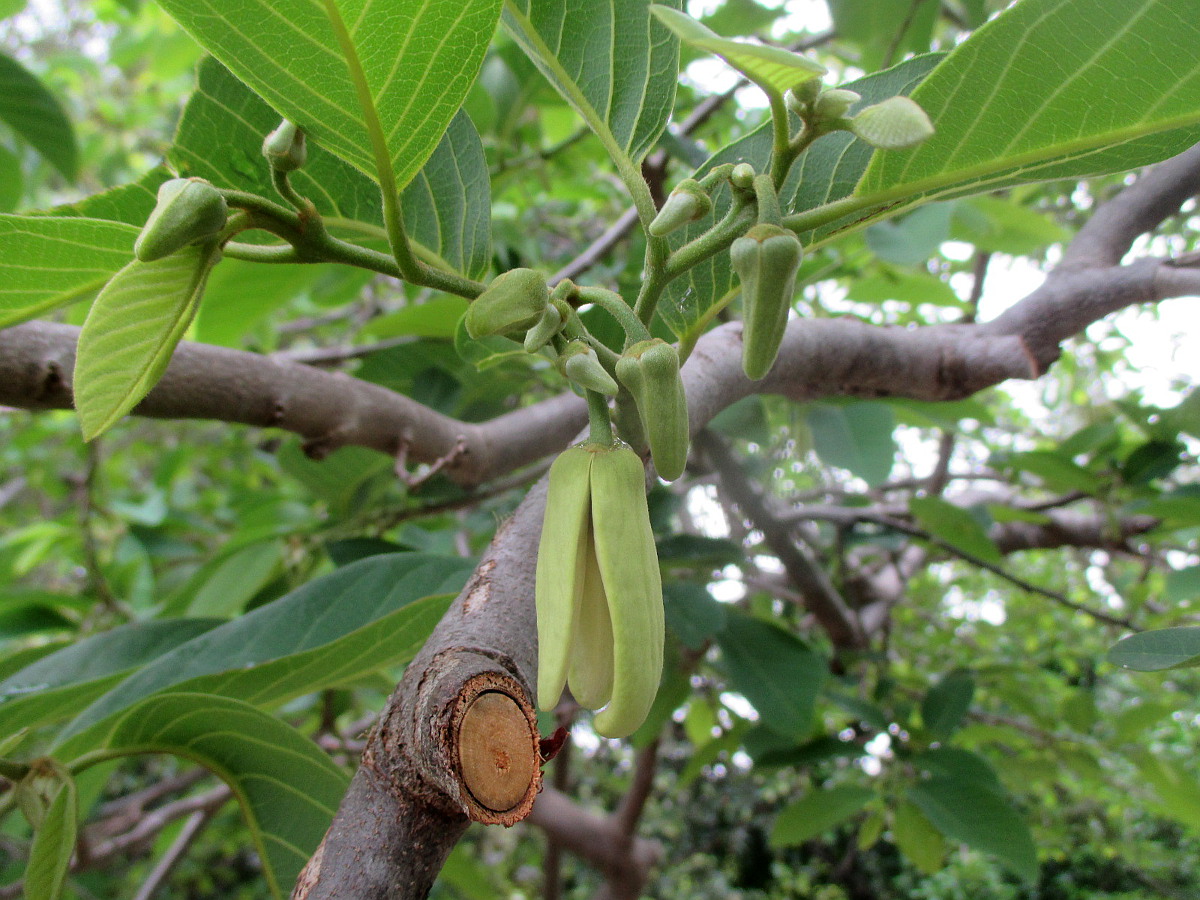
[(300, 301)]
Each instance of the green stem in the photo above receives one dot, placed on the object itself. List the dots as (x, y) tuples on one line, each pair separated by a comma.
[(734, 225), (768, 201), (781, 138), (616, 306), (599, 423), (283, 185)]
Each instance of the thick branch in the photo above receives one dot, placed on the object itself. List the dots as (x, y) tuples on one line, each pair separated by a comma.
[(329, 410)]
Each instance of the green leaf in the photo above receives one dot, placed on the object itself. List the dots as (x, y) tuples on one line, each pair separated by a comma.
[(827, 171), (237, 579), (954, 525), (354, 621), (416, 60), (692, 614), (613, 63), (816, 812), (918, 839), (965, 811), (914, 238), (1004, 226), (436, 318), (12, 182), (773, 69), (855, 436), (446, 207), (1152, 651), (53, 844), (946, 703), (30, 110), (1056, 471), (129, 203), (287, 787), (49, 262), (1182, 586), (57, 686), (957, 763), (132, 330), (1006, 101), (913, 288), (774, 670)]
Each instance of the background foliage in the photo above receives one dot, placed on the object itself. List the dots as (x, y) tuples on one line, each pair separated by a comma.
[(983, 747)]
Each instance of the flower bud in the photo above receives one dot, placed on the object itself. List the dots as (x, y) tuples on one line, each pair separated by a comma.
[(766, 259), (894, 124), (742, 176), (285, 148), (512, 304), (582, 367), (188, 210), (687, 203), (649, 370), (836, 103), (547, 327)]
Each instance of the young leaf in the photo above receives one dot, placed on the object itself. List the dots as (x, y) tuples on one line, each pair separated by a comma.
[(773, 69), (49, 262), (374, 83), (1152, 651), (816, 812), (608, 59), (288, 788), (131, 332), (30, 110), (53, 844), (965, 811), (1007, 102)]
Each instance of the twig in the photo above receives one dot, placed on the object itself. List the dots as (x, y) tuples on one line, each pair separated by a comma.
[(162, 870)]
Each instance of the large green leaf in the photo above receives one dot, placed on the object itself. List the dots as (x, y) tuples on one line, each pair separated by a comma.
[(370, 614), (968, 811), (774, 670), (49, 262), (287, 787), (946, 703), (53, 844), (132, 330), (818, 811), (364, 78), (917, 838), (827, 171), (855, 436), (57, 686), (1052, 89), (1152, 651), (32, 112), (609, 59), (446, 207)]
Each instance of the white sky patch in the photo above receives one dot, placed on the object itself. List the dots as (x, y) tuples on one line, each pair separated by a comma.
[(988, 608)]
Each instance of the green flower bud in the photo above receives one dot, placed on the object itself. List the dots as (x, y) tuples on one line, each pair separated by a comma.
[(582, 367), (836, 103), (894, 124), (628, 420), (687, 203), (742, 176), (801, 98), (766, 259), (547, 327), (285, 148), (188, 210), (513, 303), (649, 370)]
